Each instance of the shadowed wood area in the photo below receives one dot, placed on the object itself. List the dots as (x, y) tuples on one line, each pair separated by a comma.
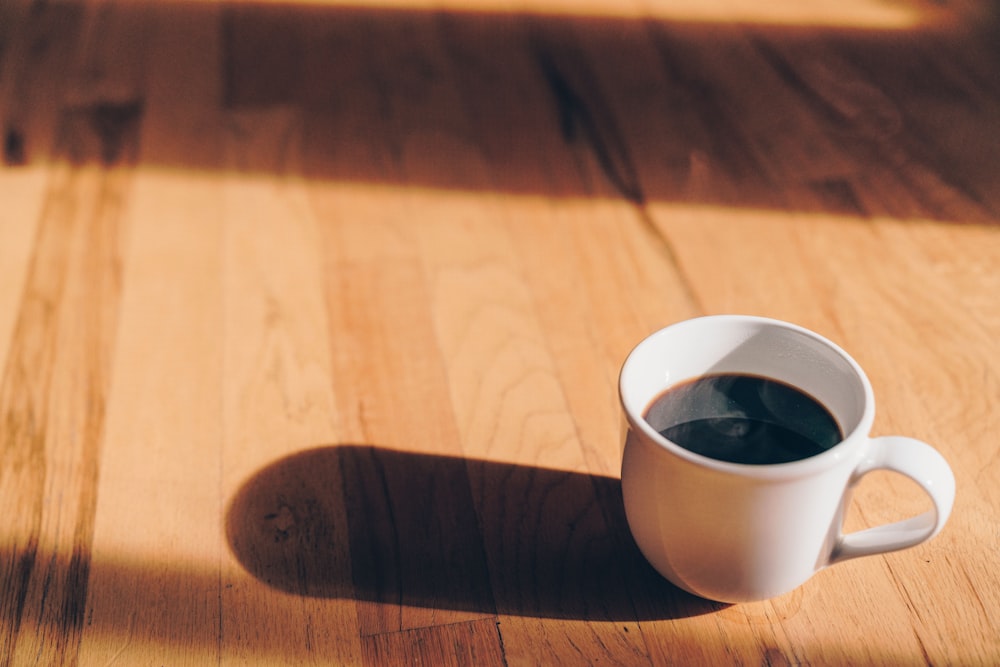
[(311, 315)]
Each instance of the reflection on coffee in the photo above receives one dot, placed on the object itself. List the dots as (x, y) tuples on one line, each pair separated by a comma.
[(744, 419)]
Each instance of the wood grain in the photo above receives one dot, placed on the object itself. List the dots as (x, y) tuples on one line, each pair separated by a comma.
[(311, 315)]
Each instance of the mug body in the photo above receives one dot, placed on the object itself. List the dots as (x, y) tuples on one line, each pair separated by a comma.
[(728, 531)]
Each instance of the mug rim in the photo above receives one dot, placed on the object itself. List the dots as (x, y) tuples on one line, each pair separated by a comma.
[(846, 448)]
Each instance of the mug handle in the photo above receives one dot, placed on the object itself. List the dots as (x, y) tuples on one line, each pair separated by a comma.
[(925, 466)]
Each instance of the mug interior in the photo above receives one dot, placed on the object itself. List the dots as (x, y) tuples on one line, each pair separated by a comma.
[(752, 346)]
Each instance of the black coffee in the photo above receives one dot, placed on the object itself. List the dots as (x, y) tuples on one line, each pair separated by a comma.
[(744, 419)]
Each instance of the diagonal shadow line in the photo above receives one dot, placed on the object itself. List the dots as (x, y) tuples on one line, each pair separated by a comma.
[(648, 110), (440, 532)]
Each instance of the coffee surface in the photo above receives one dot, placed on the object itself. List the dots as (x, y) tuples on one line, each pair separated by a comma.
[(744, 419)]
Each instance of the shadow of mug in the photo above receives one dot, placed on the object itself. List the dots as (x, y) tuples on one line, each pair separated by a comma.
[(438, 532)]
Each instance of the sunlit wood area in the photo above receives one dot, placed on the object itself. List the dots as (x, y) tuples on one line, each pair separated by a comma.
[(311, 315)]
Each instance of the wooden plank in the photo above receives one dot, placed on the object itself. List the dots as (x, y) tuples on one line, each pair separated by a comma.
[(416, 520), (58, 371), (28, 79), (557, 241), (53, 395), (157, 542), (26, 191), (155, 583), (290, 595), (544, 530), (383, 353)]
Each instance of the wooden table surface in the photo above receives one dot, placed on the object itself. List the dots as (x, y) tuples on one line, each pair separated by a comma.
[(311, 315)]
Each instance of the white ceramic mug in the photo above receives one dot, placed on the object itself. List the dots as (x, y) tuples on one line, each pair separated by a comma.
[(739, 532)]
